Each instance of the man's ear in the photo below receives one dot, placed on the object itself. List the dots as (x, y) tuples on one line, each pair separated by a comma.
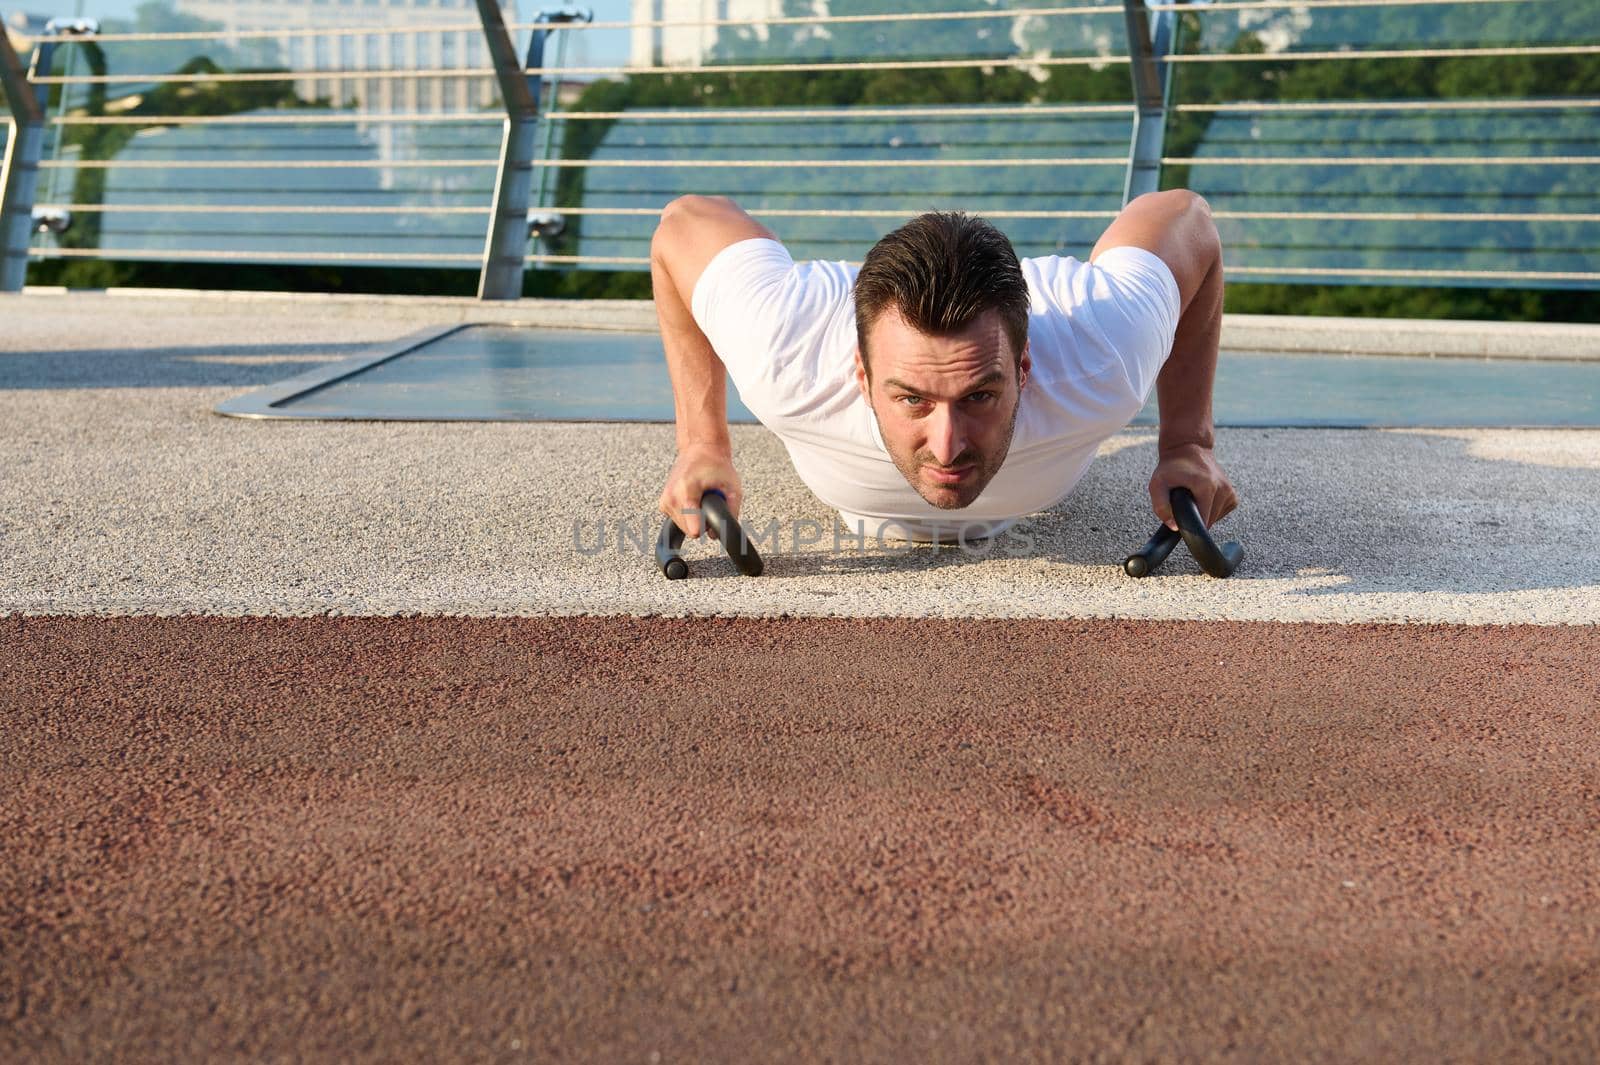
[(1024, 367), (861, 377)]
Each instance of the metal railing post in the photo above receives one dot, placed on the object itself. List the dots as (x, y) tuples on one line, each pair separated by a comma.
[(505, 251), (1148, 47), (19, 171)]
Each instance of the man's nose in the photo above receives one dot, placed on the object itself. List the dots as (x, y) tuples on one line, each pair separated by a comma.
[(947, 434)]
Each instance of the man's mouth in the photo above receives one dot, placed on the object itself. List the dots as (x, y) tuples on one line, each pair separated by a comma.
[(952, 475)]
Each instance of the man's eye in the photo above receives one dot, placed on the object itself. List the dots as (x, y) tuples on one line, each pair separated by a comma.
[(911, 401), (981, 397)]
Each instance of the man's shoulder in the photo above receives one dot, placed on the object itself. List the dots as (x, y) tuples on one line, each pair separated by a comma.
[(1050, 275)]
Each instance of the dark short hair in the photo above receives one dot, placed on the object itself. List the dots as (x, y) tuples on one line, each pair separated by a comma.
[(942, 271)]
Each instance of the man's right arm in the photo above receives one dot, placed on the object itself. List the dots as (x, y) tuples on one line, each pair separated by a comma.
[(693, 229)]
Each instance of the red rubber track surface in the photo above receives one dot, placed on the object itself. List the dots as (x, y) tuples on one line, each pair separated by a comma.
[(622, 839)]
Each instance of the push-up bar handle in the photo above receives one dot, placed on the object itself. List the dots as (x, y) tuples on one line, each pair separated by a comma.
[(714, 509), (1218, 560)]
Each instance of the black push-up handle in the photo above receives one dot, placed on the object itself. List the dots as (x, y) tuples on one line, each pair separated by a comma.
[(1219, 560), (714, 508)]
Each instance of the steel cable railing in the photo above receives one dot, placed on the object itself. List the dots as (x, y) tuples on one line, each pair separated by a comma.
[(862, 66), (1269, 107), (821, 164), (1369, 54), (875, 155), (1225, 6), (1113, 7), (1381, 160), (266, 208), (294, 257), (265, 164), (288, 119), (855, 113), (782, 212), (865, 66), (1024, 110)]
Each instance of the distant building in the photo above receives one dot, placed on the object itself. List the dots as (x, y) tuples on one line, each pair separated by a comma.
[(379, 48), (690, 45)]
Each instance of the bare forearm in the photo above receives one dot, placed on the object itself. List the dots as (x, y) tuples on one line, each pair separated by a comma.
[(693, 231), (699, 380), (1176, 226), (1185, 384)]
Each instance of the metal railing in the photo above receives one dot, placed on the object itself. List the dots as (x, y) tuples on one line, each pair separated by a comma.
[(1122, 148)]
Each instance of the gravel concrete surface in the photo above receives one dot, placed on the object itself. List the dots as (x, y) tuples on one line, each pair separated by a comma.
[(656, 840), (124, 494)]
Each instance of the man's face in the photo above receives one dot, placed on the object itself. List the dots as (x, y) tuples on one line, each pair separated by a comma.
[(946, 406)]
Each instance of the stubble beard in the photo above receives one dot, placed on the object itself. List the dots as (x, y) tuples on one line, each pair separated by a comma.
[(961, 496)]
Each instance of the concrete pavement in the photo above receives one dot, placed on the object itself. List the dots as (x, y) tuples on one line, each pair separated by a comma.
[(124, 494)]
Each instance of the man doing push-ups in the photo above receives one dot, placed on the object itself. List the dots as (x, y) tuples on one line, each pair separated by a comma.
[(944, 384)]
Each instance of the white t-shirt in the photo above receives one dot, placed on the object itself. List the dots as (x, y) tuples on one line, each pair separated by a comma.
[(1098, 333)]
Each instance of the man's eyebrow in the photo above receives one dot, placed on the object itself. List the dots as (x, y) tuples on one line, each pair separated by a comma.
[(987, 379)]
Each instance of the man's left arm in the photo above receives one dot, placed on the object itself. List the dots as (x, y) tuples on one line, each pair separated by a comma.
[(1176, 226)]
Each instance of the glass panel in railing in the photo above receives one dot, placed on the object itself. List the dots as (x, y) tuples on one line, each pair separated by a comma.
[(1409, 25), (872, 31), (1466, 153), (893, 114), (830, 182), (296, 132)]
